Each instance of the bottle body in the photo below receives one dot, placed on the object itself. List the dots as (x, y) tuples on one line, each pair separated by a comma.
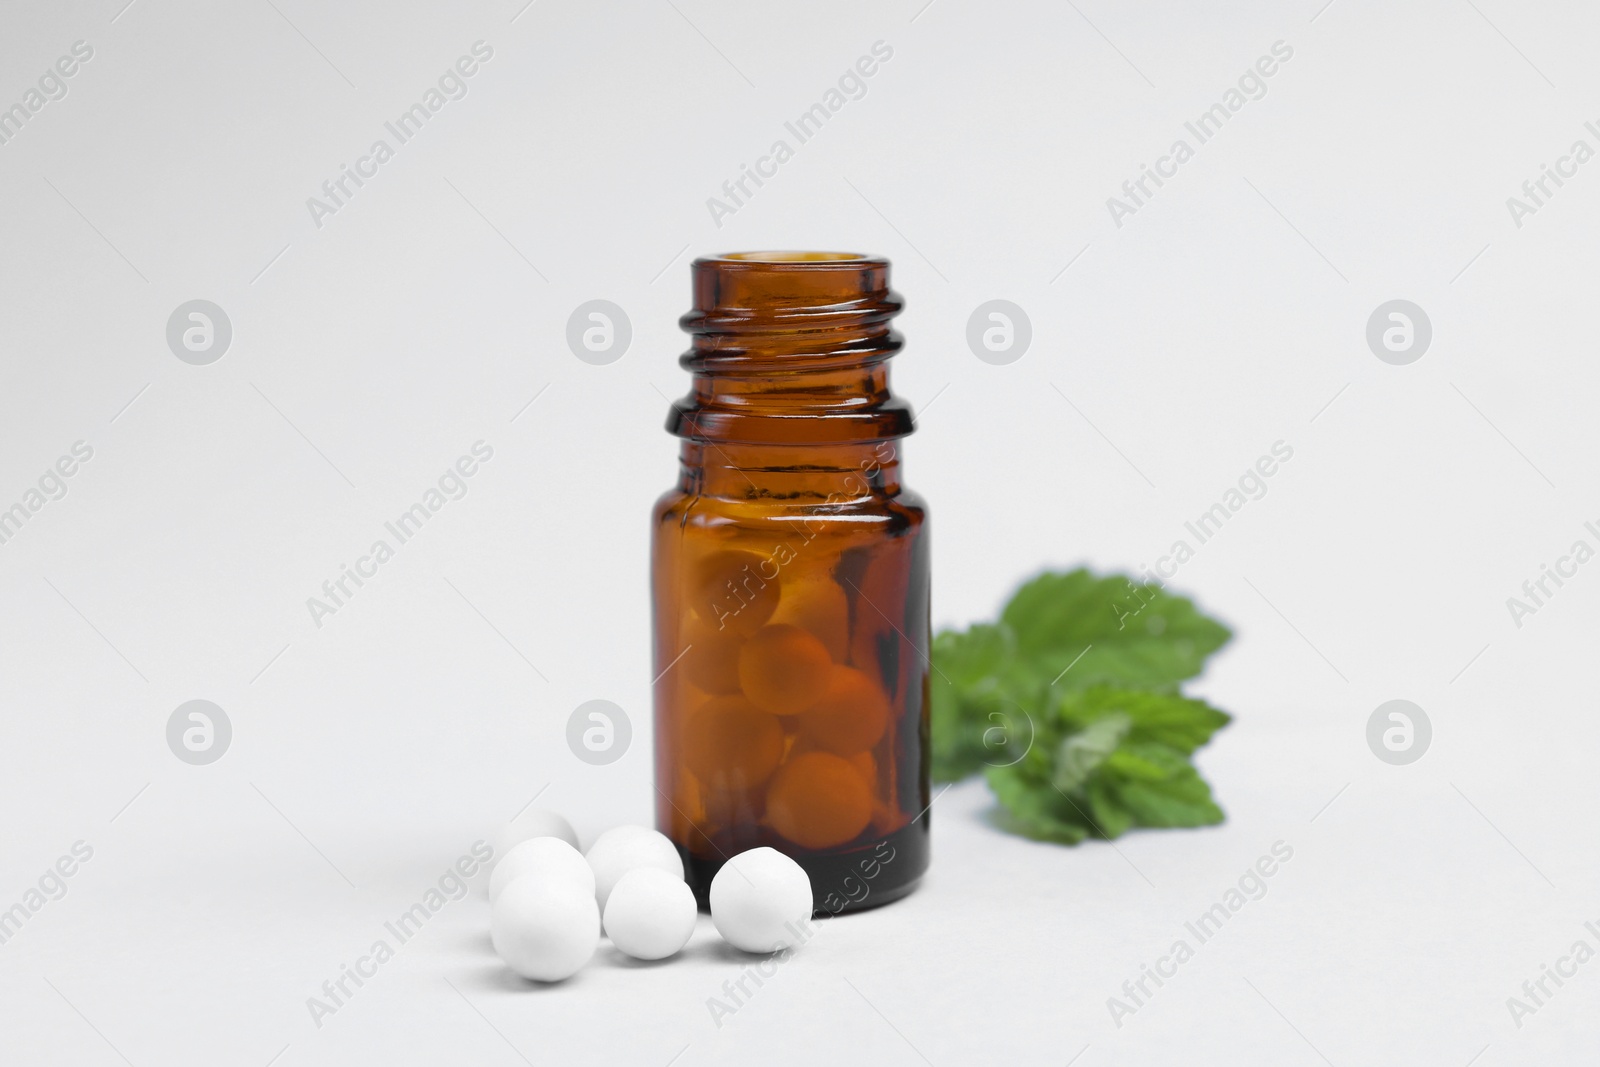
[(790, 575)]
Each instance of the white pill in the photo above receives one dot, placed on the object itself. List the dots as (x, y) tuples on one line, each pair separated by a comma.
[(548, 856), (545, 928), (650, 914), (535, 822), (622, 848), (761, 900)]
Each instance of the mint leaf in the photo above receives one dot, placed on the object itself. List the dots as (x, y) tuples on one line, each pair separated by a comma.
[(1111, 817), (1180, 801), (1096, 780), (1147, 761), (971, 729), (1080, 754), (968, 658), (973, 708), (1179, 722), (1109, 629), (1043, 815)]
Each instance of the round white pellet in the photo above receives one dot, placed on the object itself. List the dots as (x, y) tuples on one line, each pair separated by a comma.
[(545, 928), (548, 856), (622, 848), (650, 914), (535, 822), (760, 900)]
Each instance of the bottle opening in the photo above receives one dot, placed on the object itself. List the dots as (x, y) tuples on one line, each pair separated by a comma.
[(792, 257)]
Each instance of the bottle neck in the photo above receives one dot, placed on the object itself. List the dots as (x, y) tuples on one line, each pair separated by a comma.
[(790, 349), (790, 474)]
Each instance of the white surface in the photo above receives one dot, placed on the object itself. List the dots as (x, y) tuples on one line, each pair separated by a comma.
[(368, 355)]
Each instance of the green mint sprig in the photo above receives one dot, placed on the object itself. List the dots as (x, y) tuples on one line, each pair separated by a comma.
[(1069, 705)]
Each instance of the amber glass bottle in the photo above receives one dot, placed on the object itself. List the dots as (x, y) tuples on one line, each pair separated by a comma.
[(790, 573)]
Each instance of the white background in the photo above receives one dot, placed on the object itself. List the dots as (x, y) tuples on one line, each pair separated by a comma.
[(368, 354)]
